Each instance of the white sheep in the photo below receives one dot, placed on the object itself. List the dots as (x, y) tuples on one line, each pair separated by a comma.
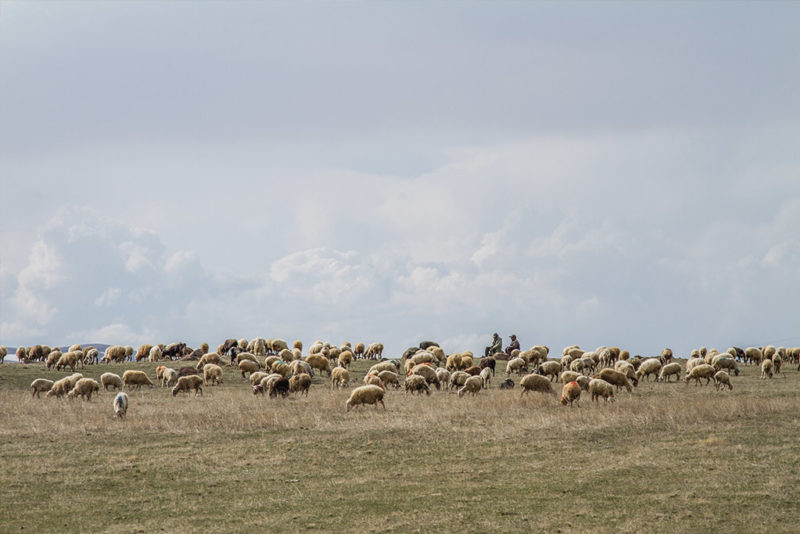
[(211, 357), (135, 378), (699, 372), (388, 377), (472, 385), (721, 378), (517, 365), (110, 379), (600, 388), (416, 383), (766, 368), (383, 366), (187, 383), (155, 354), (671, 369), (550, 368), (651, 366), (248, 366), (721, 361), (340, 378), (63, 386), (40, 385), (443, 375), (212, 373), (365, 395), (84, 387), (121, 404), (458, 378), (169, 377), (486, 376), (428, 372)]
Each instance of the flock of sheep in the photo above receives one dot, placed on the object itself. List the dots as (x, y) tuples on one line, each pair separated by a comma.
[(273, 368)]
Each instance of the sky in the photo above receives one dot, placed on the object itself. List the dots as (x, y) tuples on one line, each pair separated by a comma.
[(620, 174)]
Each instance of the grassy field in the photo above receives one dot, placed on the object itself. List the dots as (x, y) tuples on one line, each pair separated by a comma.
[(666, 458)]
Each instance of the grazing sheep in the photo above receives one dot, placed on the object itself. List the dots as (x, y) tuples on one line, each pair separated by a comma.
[(374, 380), (615, 378), (374, 351), (583, 382), (666, 356), (671, 369), (70, 359), (651, 366), (571, 392), (300, 383), (121, 405), (365, 395), (279, 387), (281, 367), (383, 366), (40, 385), (753, 355), (417, 384), (472, 385), (91, 356), (84, 387), (358, 350), (266, 384), (600, 388), (388, 377), (248, 366), (700, 371), (766, 369), (298, 367), (534, 382), (114, 353), (777, 362), (110, 379), (52, 358), (721, 378), (321, 363), (345, 359), (516, 365), (245, 356), (443, 375), (22, 355), (569, 376), (3, 353), (188, 383), (188, 371), (340, 378), (212, 373), (155, 354), (61, 387), (550, 368), (457, 379), (257, 377), (169, 377), (507, 384), (489, 362), (486, 376), (143, 352), (423, 356), (135, 378), (277, 345), (428, 373), (211, 357), (722, 361)]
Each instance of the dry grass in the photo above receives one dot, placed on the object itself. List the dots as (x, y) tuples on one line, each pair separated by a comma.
[(668, 457)]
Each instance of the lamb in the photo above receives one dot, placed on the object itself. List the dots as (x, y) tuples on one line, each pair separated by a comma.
[(517, 365), (321, 363), (374, 380), (40, 385), (365, 395), (721, 378), (550, 368), (388, 377), (766, 368), (671, 369), (121, 404), (600, 388), (507, 384), (248, 366), (615, 378), (428, 373), (212, 373), (650, 366), (279, 387), (110, 379), (458, 378), (169, 377), (188, 383), (70, 359), (84, 387), (571, 392), (417, 384), (155, 354), (340, 378), (300, 383), (486, 376), (211, 357), (700, 371), (534, 382), (472, 385), (135, 378)]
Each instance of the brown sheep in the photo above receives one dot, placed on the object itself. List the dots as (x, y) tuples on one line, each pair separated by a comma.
[(615, 378), (571, 392)]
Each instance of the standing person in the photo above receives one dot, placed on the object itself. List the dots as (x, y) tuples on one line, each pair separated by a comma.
[(514, 345), (496, 346)]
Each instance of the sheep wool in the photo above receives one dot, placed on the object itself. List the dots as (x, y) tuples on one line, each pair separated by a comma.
[(571, 392), (365, 395), (121, 405)]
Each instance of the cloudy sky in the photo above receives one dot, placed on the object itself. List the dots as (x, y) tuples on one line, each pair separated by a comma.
[(576, 173)]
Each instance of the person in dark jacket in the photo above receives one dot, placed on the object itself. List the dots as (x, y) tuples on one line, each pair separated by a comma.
[(514, 345), (496, 346)]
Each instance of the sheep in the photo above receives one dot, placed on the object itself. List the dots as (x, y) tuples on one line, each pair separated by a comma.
[(569, 376), (489, 362), (279, 387), (52, 358), (187, 383), (722, 361), (297, 345), (255, 378), (615, 378), (472, 385), (383, 366), (600, 388), (753, 355), (188, 371), (458, 378), (135, 378), (375, 350), (70, 359), (248, 366), (571, 392), (428, 373), (120, 405), (22, 355), (321, 363), (458, 361), (650, 366), (300, 383), (84, 387), (3, 353), (700, 371), (423, 356), (666, 356), (550, 368), (277, 345), (155, 354), (769, 351), (417, 384), (388, 377), (110, 379), (516, 365), (91, 356), (114, 353), (671, 369), (246, 356), (282, 368), (767, 368), (365, 395), (340, 378), (507, 384), (374, 380), (211, 357), (534, 382), (143, 352), (345, 358), (212, 373), (486, 376), (583, 381), (40, 385), (258, 346), (721, 378), (298, 367), (169, 377), (60, 387), (266, 384), (443, 375), (358, 350), (777, 362)]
